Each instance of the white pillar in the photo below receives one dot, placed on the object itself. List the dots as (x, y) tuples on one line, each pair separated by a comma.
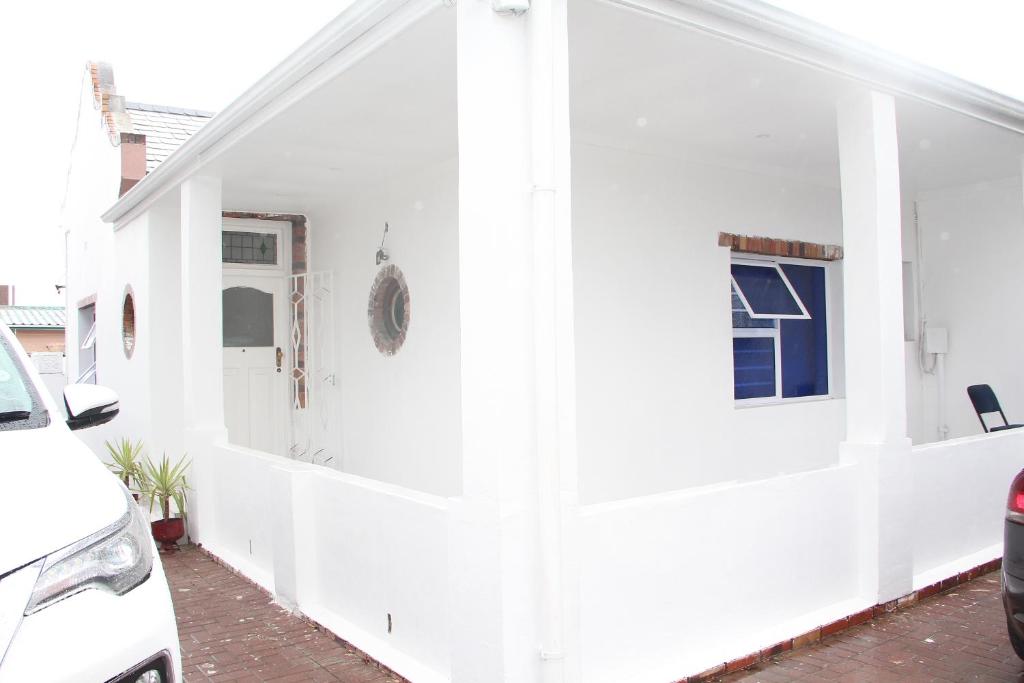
[(876, 422), (508, 580), (201, 334)]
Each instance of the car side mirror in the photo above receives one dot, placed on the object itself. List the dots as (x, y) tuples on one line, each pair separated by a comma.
[(89, 405)]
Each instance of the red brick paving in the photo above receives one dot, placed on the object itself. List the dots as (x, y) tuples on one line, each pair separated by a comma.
[(231, 631), (958, 635)]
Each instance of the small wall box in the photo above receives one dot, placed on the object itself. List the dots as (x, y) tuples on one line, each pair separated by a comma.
[(936, 340)]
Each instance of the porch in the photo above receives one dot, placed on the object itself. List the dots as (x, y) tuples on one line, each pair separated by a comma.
[(552, 447)]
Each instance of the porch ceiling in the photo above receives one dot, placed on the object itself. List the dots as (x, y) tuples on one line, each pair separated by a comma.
[(641, 83), (635, 83), (395, 110)]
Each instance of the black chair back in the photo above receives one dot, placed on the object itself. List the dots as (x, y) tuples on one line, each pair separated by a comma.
[(984, 401)]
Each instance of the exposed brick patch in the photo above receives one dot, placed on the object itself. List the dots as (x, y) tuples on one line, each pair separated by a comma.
[(814, 636), (835, 627), (860, 617), (707, 674), (776, 649), (741, 663), (773, 247), (230, 629)]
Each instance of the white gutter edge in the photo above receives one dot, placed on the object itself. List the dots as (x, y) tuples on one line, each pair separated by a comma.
[(353, 23)]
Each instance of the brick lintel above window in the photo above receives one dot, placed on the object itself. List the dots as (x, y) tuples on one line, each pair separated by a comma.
[(767, 246)]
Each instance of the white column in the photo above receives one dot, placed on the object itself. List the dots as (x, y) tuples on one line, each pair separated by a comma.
[(876, 422), (518, 429), (201, 334)]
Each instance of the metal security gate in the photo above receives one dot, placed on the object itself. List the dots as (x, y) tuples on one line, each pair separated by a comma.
[(313, 374)]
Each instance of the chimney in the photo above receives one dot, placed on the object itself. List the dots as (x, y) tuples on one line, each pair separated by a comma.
[(133, 160), (6, 295)]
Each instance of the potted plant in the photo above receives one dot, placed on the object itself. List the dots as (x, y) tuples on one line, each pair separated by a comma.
[(126, 463), (165, 482)]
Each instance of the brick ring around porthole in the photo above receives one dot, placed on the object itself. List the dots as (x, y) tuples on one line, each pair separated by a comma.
[(388, 310)]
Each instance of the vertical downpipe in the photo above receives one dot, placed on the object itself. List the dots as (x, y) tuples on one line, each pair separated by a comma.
[(545, 340)]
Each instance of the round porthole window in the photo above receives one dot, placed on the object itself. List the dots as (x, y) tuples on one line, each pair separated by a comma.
[(128, 322), (388, 310)]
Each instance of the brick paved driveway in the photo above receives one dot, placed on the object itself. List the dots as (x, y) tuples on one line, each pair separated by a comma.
[(231, 631), (959, 635)]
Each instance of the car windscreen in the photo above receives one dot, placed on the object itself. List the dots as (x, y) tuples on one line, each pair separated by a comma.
[(20, 406)]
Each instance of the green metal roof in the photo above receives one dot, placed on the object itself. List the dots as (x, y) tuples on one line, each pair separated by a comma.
[(29, 317)]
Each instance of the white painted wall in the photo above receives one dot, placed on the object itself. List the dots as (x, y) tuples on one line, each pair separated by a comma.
[(93, 181), (400, 415), (92, 268), (143, 255), (653, 331), (161, 303), (673, 584), (960, 489), (125, 260), (344, 550), (366, 550), (972, 239)]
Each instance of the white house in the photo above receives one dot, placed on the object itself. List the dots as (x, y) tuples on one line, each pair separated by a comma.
[(633, 384)]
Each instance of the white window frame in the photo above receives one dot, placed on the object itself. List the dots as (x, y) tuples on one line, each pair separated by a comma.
[(88, 344), (775, 332), (90, 337), (803, 315), (281, 229), (90, 373)]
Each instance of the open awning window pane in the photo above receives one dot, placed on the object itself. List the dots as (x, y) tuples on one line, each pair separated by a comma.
[(90, 338), (88, 376), (765, 292)]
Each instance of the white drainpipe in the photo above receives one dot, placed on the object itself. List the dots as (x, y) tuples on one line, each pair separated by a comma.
[(545, 331)]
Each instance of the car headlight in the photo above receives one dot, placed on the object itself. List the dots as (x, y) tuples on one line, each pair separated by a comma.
[(116, 559)]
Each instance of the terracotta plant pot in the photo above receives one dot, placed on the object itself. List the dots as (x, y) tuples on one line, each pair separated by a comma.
[(168, 531)]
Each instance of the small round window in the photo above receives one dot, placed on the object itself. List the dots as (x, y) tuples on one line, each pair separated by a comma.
[(128, 323), (388, 310)]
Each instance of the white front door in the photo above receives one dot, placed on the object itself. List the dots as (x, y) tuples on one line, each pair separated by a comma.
[(255, 364)]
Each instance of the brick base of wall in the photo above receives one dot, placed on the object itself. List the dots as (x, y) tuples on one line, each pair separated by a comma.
[(816, 634)]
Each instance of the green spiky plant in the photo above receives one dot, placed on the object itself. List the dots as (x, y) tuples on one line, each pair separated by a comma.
[(165, 482), (126, 462)]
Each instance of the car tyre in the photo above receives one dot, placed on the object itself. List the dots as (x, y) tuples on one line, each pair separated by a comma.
[(1016, 641)]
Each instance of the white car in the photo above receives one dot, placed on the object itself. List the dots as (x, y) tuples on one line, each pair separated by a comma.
[(83, 596)]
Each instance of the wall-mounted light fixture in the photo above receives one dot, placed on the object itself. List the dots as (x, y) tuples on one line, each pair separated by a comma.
[(382, 253)]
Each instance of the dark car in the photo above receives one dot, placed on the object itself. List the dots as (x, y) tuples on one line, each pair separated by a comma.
[(1013, 564)]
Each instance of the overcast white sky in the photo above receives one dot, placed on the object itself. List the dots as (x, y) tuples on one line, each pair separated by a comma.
[(204, 53)]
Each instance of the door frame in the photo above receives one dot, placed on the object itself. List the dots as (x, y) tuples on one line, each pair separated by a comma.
[(280, 272)]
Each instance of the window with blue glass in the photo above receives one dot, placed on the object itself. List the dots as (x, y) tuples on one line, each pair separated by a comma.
[(779, 330)]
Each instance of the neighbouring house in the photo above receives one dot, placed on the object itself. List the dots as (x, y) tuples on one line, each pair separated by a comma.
[(40, 329), (590, 341)]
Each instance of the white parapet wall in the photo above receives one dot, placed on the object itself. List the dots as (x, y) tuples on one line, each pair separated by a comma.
[(367, 560), (673, 584), (960, 489)]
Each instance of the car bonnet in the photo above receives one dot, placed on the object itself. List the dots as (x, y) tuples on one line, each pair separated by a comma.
[(53, 491)]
